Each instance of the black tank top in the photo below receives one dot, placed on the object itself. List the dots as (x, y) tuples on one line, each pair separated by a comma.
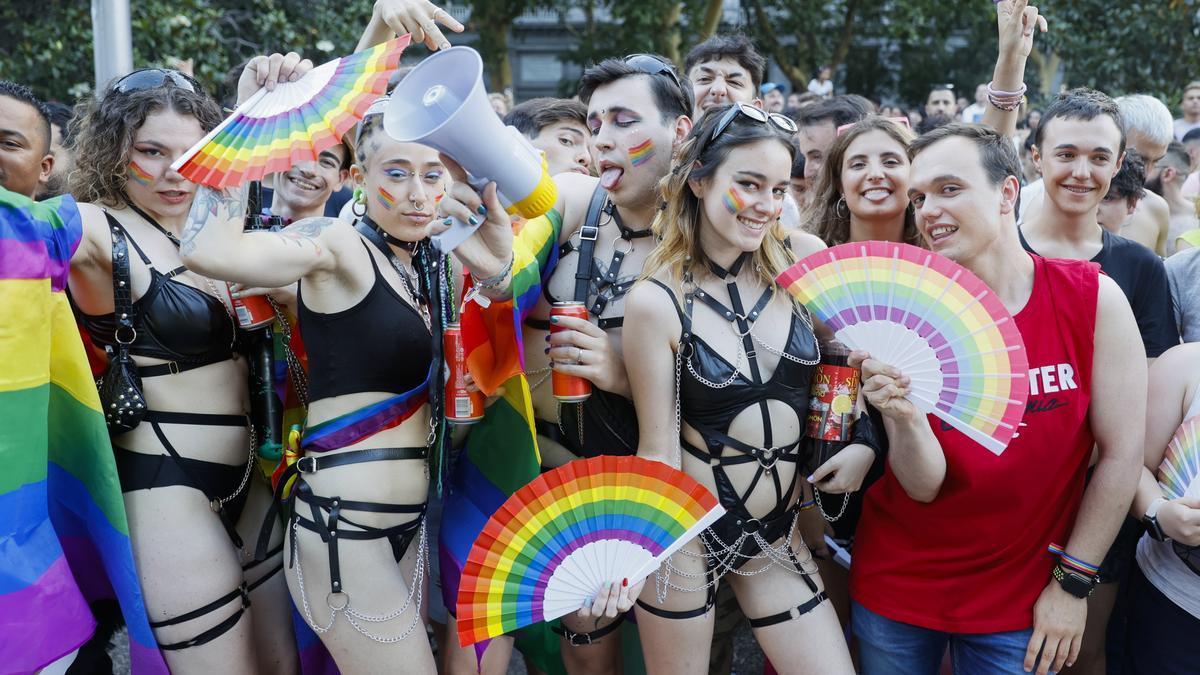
[(379, 344)]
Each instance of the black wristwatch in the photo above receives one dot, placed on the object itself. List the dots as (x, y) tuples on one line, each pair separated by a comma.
[(1150, 520), (1074, 583)]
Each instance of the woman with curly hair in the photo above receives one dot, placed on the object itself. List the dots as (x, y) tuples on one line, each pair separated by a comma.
[(185, 455), (720, 360)]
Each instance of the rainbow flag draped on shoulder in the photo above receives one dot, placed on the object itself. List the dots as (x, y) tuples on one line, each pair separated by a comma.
[(64, 539), (501, 453)]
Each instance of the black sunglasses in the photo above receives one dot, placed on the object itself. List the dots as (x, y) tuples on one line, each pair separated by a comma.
[(652, 65), (781, 122), (152, 78)]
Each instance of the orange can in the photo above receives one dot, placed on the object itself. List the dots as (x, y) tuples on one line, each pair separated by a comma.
[(569, 388), (253, 312), (462, 406)]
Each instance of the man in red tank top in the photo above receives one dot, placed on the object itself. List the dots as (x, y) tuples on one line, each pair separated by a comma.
[(952, 549)]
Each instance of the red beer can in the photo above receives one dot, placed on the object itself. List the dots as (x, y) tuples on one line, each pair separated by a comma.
[(252, 312), (462, 406), (569, 388)]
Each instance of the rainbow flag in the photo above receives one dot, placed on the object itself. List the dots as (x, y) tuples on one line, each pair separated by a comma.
[(64, 539), (501, 453)]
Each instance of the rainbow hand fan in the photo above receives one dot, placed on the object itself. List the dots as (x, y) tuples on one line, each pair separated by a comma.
[(1179, 473), (931, 318), (557, 540), (273, 130)]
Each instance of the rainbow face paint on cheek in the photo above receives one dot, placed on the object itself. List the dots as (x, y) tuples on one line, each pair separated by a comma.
[(641, 153), (139, 175), (733, 201), (386, 200)]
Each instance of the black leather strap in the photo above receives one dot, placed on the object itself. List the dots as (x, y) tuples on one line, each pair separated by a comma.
[(793, 613), (199, 419), (214, 502), (584, 639), (214, 632), (123, 311), (587, 245), (314, 463)]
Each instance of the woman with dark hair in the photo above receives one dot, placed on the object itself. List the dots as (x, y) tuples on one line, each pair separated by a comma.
[(862, 191), (367, 303), (192, 493), (720, 361)]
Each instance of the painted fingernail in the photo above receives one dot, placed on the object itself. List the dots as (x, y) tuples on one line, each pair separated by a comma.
[(473, 220), (553, 319), (548, 337), (624, 583), (482, 210), (547, 350), (810, 479), (448, 221)]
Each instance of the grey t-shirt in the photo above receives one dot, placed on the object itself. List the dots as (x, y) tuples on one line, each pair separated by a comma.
[(1183, 273)]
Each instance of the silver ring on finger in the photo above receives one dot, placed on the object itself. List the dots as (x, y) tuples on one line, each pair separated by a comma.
[(578, 355)]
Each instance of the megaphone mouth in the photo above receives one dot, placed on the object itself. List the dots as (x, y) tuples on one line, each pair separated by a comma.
[(433, 95)]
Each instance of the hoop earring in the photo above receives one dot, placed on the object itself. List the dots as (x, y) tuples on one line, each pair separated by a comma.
[(841, 204), (358, 208)]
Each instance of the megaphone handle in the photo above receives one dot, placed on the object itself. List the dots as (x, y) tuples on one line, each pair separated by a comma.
[(451, 238)]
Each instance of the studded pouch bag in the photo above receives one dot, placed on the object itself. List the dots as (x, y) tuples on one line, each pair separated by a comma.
[(120, 386)]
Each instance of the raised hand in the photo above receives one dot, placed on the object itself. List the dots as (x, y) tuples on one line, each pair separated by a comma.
[(884, 387), (488, 249), (1017, 22), (419, 17), (269, 72)]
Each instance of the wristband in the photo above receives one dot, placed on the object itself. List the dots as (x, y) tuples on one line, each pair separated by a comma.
[(804, 506), (1073, 562), (865, 433)]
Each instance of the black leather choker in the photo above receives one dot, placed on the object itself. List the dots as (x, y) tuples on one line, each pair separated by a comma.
[(409, 246)]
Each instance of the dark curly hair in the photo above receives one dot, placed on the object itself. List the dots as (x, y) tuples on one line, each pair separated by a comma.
[(103, 130)]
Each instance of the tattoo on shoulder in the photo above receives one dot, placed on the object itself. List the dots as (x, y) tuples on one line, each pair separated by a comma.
[(228, 204)]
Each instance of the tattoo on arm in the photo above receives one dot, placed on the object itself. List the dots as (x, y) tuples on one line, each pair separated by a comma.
[(209, 205), (306, 231)]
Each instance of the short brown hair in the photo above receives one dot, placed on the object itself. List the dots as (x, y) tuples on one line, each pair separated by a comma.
[(996, 152), (536, 114)]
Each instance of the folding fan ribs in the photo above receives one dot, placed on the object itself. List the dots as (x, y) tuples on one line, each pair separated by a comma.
[(274, 129), (1179, 472), (932, 319), (556, 541)]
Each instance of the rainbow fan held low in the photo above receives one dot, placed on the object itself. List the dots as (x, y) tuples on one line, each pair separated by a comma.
[(1179, 473), (556, 541), (295, 122), (931, 318)]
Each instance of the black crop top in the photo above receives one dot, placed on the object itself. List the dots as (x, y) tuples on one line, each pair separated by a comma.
[(379, 344), (173, 320)]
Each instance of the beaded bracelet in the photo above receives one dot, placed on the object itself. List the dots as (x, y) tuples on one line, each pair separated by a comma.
[(1006, 100)]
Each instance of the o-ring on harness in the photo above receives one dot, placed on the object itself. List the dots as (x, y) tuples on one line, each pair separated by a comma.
[(739, 537)]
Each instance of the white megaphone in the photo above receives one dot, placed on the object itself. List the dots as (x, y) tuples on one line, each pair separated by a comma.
[(441, 103)]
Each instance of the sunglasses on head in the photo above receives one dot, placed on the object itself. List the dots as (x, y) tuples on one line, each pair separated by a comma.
[(152, 78), (781, 122), (652, 65)]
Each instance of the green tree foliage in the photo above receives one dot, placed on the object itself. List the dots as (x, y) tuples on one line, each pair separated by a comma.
[(885, 49)]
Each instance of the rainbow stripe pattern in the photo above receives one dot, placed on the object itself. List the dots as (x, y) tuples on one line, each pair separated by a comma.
[(348, 429), (931, 318), (1179, 472), (295, 122), (139, 175), (64, 537), (733, 201), (556, 541), (641, 153), (386, 200)]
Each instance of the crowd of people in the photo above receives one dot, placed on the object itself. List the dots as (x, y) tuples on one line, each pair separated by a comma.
[(682, 192)]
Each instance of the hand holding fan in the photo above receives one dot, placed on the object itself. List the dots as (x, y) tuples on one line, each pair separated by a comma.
[(295, 122), (932, 319), (556, 541), (1179, 473)]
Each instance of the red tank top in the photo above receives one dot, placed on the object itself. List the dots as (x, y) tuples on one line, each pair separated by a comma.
[(974, 560)]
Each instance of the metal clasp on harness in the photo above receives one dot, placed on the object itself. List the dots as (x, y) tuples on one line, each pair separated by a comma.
[(577, 639), (768, 457), (589, 232), (300, 464)]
